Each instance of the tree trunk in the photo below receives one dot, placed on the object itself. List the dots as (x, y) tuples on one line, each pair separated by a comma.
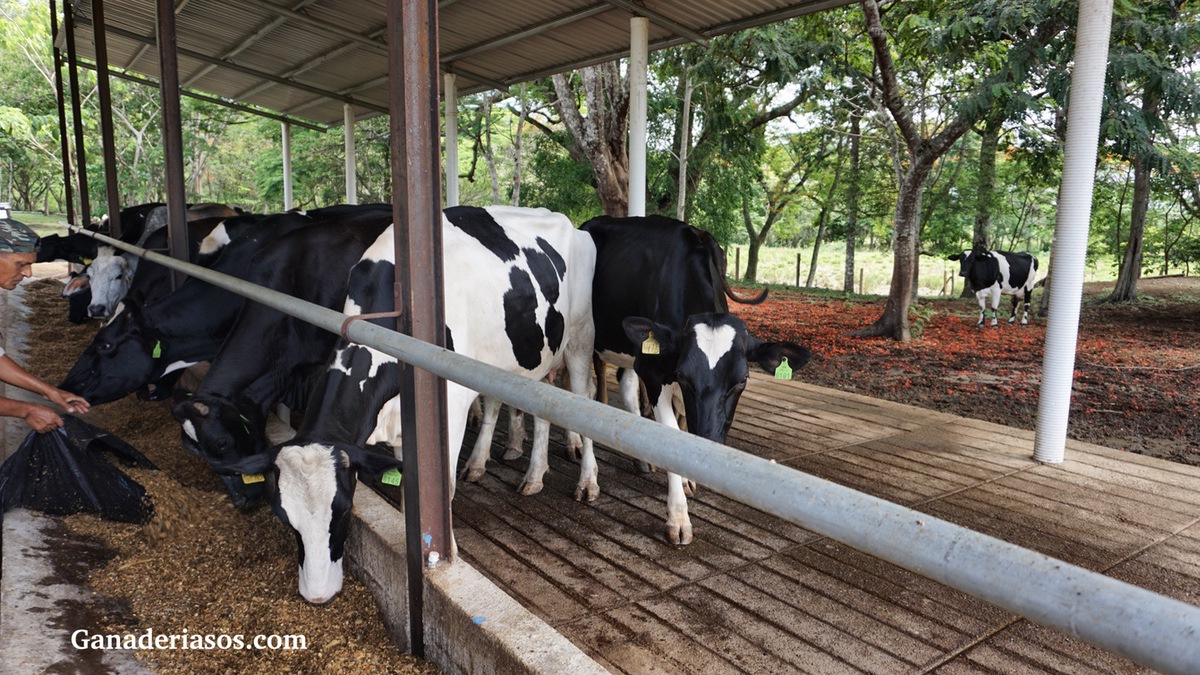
[(985, 193), (488, 156), (821, 219), (894, 321), (1131, 263), (600, 138), (685, 140), (852, 203), (752, 244)]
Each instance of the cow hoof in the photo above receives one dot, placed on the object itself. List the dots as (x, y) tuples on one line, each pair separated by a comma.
[(528, 488), (995, 324), (472, 474), (680, 535), (587, 491), (645, 467), (513, 453), (690, 488), (979, 325)]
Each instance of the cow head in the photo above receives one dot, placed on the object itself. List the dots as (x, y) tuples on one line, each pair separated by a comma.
[(968, 259), (111, 275), (710, 360), (218, 431), (314, 492), (120, 359)]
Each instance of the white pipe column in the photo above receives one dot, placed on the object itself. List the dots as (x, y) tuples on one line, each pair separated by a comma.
[(450, 87), (1071, 228), (639, 50), (351, 162), (288, 202)]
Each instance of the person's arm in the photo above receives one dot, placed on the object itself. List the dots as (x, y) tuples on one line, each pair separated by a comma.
[(12, 373), (39, 417)]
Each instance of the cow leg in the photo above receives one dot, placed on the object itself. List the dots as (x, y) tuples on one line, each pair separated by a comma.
[(538, 460), (574, 440), (1013, 317), (981, 297), (996, 305), (629, 395), (475, 414), (679, 526), (516, 434), (458, 402), (1025, 315), (579, 370), (482, 452)]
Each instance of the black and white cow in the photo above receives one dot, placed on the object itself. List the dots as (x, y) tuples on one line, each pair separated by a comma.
[(139, 345), (995, 273), (517, 288), (112, 271), (270, 357), (658, 300)]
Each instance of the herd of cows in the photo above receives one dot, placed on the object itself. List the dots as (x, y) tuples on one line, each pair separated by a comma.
[(525, 291)]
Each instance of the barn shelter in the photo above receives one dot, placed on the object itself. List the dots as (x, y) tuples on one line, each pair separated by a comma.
[(305, 62)]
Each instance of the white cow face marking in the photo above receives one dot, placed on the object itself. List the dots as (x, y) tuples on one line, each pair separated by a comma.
[(190, 430), (714, 341), (307, 486)]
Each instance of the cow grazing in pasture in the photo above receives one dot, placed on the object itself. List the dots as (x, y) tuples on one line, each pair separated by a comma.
[(995, 273), (270, 357), (140, 345), (658, 301), (517, 288)]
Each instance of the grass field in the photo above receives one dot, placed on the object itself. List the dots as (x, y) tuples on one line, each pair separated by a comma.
[(777, 265), (43, 225)]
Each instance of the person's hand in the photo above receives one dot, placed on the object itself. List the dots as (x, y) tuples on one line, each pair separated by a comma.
[(68, 401), (41, 418)]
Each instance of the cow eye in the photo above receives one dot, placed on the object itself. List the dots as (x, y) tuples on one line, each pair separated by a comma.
[(105, 346)]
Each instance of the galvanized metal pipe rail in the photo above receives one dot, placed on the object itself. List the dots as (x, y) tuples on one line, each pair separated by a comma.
[(1147, 627)]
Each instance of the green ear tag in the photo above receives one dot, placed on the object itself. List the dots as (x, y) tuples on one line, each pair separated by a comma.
[(157, 353), (391, 477), (249, 478), (650, 345), (784, 371)]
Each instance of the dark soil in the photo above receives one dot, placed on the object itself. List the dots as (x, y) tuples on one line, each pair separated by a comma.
[(1136, 372)]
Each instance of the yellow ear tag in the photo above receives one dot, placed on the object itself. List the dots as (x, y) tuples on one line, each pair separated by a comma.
[(391, 477), (249, 478), (650, 345), (784, 371)]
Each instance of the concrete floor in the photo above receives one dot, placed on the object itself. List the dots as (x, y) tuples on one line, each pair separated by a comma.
[(43, 572), (756, 594)]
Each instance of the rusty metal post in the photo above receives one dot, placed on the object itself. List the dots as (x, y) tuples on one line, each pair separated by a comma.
[(168, 68), (111, 191), (64, 144), (416, 197), (85, 209)]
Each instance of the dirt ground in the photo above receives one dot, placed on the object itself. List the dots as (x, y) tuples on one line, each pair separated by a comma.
[(1136, 373), (201, 566)]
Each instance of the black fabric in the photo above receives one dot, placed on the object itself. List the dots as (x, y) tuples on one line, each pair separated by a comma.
[(64, 472)]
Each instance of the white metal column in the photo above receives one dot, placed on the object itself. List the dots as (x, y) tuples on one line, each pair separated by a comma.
[(450, 89), (288, 202), (351, 163), (639, 48), (1071, 228)]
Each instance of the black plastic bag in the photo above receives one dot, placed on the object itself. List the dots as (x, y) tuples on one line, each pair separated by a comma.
[(63, 472)]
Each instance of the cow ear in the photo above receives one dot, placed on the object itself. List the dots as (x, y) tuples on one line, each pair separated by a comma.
[(643, 333), (768, 355), (77, 283), (245, 466), (370, 463), (956, 256)]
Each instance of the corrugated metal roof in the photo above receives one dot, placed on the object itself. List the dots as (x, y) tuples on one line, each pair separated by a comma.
[(304, 58)]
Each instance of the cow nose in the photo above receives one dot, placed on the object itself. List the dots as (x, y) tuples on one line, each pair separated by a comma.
[(97, 311)]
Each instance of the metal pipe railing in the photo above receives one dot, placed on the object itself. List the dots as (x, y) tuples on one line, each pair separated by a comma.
[(1147, 627)]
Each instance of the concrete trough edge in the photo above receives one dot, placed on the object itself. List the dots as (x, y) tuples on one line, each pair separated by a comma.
[(471, 625)]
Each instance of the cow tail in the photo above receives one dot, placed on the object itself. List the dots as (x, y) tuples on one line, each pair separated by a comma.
[(717, 259)]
